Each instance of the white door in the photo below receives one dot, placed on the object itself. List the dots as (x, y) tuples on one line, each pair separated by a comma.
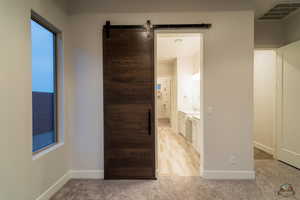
[(289, 135)]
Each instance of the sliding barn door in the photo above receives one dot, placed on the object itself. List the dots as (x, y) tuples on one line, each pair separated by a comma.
[(128, 72)]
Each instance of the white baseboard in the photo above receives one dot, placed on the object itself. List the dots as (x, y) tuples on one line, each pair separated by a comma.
[(72, 174), (55, 187), (264, 148), (228, 175), (87, 174)]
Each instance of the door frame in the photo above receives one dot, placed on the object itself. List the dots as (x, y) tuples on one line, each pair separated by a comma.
[(202, 33), (278, 99), (278, 102), (167, 28), (279, 115), (275, 101)]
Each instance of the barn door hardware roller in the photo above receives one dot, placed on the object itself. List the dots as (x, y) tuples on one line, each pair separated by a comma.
[(107, 29), (149, 27)]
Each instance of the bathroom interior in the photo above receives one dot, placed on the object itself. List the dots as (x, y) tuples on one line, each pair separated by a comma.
[(179, 59)]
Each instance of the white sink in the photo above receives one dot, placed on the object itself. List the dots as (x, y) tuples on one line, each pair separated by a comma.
[(194, 114), (197, 116)]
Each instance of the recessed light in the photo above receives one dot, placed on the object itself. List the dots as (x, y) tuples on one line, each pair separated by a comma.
[(178, 40)]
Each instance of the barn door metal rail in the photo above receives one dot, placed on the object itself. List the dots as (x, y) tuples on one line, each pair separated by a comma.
[(148, 26)]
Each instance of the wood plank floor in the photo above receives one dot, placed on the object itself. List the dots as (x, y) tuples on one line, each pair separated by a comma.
[(176, 157), (261, 155)]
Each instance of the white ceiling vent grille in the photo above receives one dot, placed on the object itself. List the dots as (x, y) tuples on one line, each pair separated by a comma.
[(280, 11)]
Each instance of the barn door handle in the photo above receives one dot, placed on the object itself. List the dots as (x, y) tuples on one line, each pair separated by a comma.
[(149, 122)]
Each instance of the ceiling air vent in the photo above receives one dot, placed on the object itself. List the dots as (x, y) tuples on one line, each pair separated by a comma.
[(280, 11)]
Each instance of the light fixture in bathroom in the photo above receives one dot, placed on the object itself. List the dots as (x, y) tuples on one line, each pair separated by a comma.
[(178, 46), (196, 77), (178, 40)]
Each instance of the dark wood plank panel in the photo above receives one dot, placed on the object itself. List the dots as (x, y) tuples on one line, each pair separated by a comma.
[(131, 173), (128, 72), (129, 68), (128, 92)]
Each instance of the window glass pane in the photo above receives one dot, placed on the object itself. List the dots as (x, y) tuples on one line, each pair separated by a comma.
[(43, 86), (42, 59)]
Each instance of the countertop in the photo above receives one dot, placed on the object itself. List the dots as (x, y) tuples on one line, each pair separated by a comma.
[(193, 114)]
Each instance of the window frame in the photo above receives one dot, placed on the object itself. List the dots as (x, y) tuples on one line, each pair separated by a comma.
[(51, 28)]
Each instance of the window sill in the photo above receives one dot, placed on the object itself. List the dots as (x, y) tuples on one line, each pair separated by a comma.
[(46, 151)]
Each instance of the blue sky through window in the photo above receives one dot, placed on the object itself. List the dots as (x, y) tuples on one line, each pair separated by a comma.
[(43, 75), (42, 58)]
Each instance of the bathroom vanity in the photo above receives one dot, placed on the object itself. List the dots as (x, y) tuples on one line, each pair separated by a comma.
[(189, 128)]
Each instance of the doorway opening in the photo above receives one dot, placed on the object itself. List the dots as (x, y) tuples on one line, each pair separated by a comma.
[(264, 103), (276, 104), (179, 58)]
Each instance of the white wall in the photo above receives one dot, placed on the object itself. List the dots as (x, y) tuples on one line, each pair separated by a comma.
[(292, 28), (228, 87), (275, 34), (165, 78), (163, 97), (197, 60), (174, 104), (185, 69), (165, 69), (23, 178), (264, 99), (269, 34)]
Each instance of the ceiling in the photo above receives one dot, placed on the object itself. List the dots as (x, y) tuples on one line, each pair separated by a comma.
[(92, 6), (169, 45), (260, 7), (263, 7)]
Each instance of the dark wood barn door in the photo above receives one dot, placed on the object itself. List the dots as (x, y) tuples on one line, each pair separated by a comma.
[(128, 72)]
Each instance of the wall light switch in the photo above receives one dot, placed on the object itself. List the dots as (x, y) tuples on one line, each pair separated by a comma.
[(233, 160), (210, 110)]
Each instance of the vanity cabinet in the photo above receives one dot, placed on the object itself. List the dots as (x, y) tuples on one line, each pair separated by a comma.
[(189, 127), (196, 134), (181, 123)]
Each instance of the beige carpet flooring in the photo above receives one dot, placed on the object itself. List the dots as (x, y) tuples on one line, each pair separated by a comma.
[(270, 174)]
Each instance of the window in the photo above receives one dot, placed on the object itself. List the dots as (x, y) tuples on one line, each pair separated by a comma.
[(43, 86)]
